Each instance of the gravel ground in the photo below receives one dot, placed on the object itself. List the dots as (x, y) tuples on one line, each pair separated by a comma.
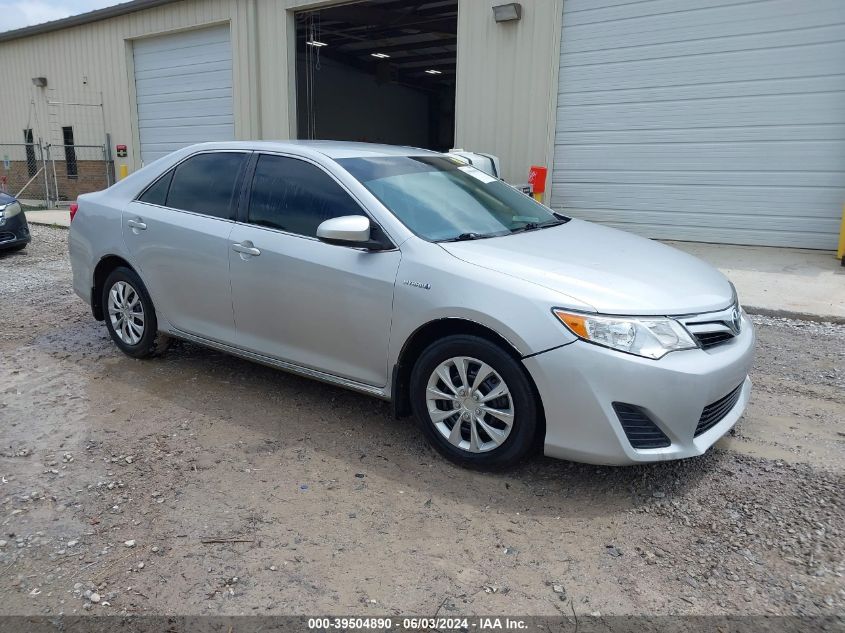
[(198, 483)]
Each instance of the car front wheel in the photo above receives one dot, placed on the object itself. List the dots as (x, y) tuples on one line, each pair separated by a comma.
[(474, 402)]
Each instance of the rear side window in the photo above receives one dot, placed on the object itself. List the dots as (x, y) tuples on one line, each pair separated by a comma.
[(207, 184), (157, 192), (296, 196)]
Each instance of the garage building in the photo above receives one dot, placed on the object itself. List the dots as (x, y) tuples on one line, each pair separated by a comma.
[(706, 120)]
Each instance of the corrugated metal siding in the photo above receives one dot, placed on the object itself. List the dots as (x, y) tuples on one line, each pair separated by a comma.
[(506, 83), (506, 73), (183, 88), (102, 53), (710, 120)]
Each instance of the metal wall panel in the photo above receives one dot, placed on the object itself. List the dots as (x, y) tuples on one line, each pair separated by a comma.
[(83, 62), (506, 83), (506, 73), (709, 120)]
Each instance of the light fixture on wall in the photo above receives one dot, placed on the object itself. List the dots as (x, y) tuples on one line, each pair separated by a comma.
[(507, 12), (39, 82), (431, 71), (380, 55), (316, 43)]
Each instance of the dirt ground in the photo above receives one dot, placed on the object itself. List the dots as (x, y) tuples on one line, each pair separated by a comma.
[(198, 483)]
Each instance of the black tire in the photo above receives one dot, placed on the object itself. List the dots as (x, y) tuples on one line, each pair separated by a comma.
[(151, 341), (521, 440)]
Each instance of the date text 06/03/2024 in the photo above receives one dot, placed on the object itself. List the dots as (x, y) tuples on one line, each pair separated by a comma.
[(418, 623)]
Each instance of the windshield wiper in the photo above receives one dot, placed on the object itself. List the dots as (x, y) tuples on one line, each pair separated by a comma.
[(533, 226), (466, 237)]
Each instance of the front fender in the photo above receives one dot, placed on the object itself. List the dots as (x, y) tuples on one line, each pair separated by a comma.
[(433, 285)]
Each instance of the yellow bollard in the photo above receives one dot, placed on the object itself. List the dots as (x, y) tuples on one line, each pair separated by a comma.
[(124, 171)]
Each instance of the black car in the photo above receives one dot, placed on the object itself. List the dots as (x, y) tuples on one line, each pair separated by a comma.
[(14, 231)]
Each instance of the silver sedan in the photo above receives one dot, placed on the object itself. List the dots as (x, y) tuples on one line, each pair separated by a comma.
[(501, 325)]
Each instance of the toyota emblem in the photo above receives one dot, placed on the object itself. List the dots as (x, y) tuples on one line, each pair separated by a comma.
[(736, 320)]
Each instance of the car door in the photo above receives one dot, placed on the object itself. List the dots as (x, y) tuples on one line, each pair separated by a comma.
[(177, 233), (298, 299)]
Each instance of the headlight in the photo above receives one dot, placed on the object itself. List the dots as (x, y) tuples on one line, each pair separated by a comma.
[(651, 337), (10, 210)]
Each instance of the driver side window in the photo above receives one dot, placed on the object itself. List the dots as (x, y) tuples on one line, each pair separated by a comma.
[(295, 196)]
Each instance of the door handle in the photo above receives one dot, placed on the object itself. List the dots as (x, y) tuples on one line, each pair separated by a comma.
[(136, 224), (246, 248)]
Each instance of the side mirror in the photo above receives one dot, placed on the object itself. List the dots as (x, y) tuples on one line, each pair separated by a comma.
[(349, 230)]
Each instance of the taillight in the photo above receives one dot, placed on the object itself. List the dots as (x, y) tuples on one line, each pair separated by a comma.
[(74, 207)]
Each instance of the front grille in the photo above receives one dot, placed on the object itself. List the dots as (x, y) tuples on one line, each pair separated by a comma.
[(638, 427), (714, 328), (712, 339), (715, 412)]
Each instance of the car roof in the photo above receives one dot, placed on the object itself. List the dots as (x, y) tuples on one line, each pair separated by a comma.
[(332, 149), (133, 184)]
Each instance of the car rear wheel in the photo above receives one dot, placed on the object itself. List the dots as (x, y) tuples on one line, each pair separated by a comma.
[(129, 314), (474, 402)]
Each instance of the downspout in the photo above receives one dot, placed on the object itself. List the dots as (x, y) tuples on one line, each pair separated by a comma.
[(551, 117), (254, 72)]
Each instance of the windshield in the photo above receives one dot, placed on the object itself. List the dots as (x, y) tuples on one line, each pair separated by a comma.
[(439, 198)]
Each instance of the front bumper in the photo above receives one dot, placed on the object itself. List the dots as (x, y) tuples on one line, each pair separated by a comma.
[(14, 231), (579, 382)]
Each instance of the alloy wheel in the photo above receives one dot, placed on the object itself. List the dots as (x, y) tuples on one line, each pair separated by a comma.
[(126, 313), (470, 404)]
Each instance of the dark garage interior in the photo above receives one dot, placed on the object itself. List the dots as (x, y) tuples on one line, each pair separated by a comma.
[(381, 71)]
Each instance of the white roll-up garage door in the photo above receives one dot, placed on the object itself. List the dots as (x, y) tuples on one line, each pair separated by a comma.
[(183, 86), (707, 120)]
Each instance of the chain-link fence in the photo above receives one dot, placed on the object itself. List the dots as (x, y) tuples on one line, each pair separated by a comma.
[(45, 176), (24, 173)]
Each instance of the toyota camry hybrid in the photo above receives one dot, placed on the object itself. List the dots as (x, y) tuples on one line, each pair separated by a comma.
[(501, 325)]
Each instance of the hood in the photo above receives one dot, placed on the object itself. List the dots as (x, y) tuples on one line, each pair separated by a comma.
[(613, 271), (6, 199)]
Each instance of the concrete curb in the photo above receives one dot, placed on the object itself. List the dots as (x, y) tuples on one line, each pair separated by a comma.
[(799, 316), (55, 225), (51, 217)]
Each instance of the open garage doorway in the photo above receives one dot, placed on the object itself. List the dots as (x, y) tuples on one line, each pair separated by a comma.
[(380, 71)]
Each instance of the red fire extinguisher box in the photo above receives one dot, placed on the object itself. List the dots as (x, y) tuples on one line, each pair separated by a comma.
[(537, 178)]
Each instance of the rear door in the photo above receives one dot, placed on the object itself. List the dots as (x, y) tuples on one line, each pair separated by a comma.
[(177, 232), (301, 300)]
